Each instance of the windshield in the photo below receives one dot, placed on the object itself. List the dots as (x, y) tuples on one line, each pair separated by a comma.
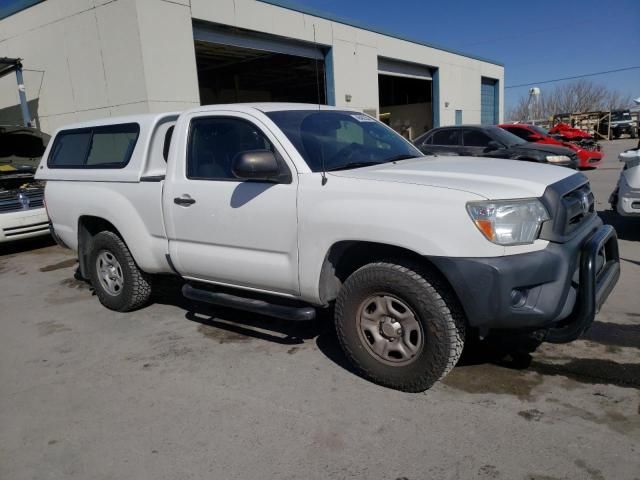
[(341, 139), (620, 115), (504, 137), (540, 130)]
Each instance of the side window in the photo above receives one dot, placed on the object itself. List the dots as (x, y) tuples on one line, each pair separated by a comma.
[(428, 140), (110, 146), (69, 149), (520, 132), (475, 138), (167, 142), (446, 137), (215, 141)]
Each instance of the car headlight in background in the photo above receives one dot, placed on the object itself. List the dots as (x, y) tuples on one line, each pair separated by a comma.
[(558, 159), (509, 222)]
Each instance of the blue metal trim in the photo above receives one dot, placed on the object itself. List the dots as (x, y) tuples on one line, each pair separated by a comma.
[(496, 103), (435, 96), (10, 7), (290, 5), (329, 79), (458, 117)]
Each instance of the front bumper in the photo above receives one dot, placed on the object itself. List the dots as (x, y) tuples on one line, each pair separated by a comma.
[(23, 224), (560, 287), (589, 158), (628, 199)]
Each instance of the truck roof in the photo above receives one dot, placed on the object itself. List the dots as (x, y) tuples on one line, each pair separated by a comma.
[(153, 118)]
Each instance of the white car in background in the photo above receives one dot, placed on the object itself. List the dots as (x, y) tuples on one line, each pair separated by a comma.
[(626, 197), (22, 212)]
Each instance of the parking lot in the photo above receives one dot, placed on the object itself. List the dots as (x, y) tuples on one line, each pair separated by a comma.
[(179, 390)]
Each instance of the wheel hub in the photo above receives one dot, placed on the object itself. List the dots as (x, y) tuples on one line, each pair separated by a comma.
[(109, 272), (389, 329)]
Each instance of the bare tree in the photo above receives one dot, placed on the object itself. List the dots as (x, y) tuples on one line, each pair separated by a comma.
[(574, 97)]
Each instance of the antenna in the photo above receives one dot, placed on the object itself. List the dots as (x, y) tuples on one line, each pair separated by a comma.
[(324, 171)]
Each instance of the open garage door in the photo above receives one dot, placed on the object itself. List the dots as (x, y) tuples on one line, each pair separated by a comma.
[(405, 96), (241, 66)]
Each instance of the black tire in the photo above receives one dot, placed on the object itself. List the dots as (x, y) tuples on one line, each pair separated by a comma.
[(435, 308), (136, 288)]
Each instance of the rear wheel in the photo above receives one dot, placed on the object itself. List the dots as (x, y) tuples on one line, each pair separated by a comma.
[(119, 284), (399, 325)]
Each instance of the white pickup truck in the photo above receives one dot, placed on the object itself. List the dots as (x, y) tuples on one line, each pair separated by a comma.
[(285, 208)]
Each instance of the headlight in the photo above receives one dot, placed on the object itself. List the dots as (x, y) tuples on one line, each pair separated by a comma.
[(509, 222), (558, 159)]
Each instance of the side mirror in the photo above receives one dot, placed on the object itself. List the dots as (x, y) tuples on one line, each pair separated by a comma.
[(256, 165), (493, 145)]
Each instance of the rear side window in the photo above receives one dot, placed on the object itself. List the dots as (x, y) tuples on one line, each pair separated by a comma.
[(110, 146), (476, 138), (446, 137), (520, 132)]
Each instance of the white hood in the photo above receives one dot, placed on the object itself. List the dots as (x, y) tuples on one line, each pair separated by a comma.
[(491, 178)]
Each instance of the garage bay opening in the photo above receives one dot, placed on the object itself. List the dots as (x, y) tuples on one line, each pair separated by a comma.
[(242, 66), (405, 97)]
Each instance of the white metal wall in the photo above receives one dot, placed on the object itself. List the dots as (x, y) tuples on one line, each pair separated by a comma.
[(93, 58)]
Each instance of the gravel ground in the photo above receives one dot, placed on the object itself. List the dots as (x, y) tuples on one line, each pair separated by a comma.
[(179, 391)]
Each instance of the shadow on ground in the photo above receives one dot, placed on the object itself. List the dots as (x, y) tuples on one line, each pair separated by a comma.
[(485, 367), (26, 245), (627, 228)]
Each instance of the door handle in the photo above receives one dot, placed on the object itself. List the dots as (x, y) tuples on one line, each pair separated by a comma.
[(185, 200)]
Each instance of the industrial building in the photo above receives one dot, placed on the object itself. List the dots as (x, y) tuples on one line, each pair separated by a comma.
[(84, 59)]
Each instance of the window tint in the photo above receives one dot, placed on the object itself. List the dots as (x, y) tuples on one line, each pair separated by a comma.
[(428, 140), (335, 139), (475, 138), (110, 146), (214, 143), (446, 137), (70, 149), (520, 132)]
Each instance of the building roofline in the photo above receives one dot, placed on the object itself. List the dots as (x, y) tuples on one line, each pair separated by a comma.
[(294, 6)]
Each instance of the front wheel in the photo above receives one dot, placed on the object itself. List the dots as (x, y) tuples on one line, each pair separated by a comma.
[(119, 284), (399, 325)]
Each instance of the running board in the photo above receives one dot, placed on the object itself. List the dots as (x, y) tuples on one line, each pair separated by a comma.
[(285, 312)]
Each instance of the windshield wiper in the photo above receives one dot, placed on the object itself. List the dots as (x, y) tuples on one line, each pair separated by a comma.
[(404, 156), (347, 166)]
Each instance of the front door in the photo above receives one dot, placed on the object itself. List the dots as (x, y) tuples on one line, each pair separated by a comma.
[(225, 230)]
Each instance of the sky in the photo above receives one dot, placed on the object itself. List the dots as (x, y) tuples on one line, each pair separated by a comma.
[(535, 40)]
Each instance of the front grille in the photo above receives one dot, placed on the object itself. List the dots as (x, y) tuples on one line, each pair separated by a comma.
[(570, 204), (21, 199), (578, 206)]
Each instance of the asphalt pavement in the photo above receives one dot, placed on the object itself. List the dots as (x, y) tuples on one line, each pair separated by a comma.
[(180, 391)]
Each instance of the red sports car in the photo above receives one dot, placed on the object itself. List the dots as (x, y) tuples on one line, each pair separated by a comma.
[(532, 133)]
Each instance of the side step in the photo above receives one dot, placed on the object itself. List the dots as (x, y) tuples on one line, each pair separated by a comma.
[(285, 312)]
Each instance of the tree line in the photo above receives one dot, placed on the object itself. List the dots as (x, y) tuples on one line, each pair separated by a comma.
[(574, 97)]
